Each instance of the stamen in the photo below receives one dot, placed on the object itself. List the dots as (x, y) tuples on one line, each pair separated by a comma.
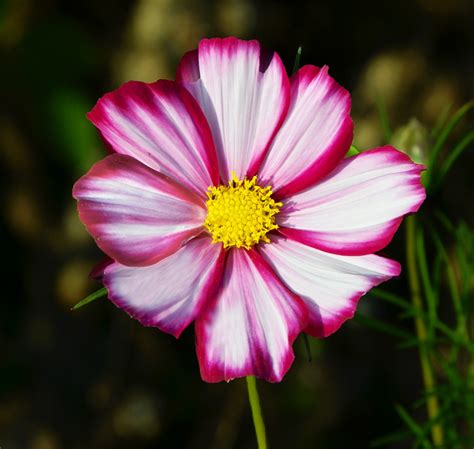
[(241, 213)]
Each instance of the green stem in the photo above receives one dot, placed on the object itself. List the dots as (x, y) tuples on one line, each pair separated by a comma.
[(256, 412), (432, 403)]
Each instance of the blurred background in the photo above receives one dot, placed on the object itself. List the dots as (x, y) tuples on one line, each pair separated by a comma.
[(94, 378)]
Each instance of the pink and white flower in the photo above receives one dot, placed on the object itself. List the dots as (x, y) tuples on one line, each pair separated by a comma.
[(227, 201)]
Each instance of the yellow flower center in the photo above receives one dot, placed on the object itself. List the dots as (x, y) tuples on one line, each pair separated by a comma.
[(241, 213)]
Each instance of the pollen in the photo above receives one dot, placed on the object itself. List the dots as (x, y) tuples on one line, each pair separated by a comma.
[(241, 213)]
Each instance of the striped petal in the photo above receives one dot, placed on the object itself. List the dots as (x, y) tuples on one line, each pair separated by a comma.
[(244, 93), (136, 215), (171, 293), (315, 135), (358, 207), (329, 284), (251, 324), (161, 125)]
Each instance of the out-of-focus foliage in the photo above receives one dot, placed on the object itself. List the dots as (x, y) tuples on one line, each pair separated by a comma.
[(439, 282), (93, 378)]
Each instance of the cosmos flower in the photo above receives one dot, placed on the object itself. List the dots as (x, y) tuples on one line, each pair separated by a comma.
[(228, 201)]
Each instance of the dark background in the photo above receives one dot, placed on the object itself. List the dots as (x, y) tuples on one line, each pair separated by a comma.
[(96, 379)]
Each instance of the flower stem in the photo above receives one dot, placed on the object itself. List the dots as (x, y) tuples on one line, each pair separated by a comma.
[(432, 404), (256, 412)]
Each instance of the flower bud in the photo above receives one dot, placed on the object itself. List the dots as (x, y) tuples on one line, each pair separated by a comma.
[(412, 139)]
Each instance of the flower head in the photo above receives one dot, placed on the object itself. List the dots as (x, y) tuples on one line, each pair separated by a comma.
[(227, 201)]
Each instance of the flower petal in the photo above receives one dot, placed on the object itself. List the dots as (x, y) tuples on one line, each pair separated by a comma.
[(358, 207), (315, 135), (329, 284), (244, 94), (137, 215), (162, 126), (170, 293), (251, 324)]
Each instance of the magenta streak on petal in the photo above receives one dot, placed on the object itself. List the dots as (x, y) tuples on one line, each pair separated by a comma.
[(244, 93), (358, 207), (250, 326), (162, 126), (330, 285), (315, 136), (171, 293), (136, 215), (318, 169), (351, 243)]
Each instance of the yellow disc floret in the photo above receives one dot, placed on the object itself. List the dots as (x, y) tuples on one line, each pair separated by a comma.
[(241, 213)]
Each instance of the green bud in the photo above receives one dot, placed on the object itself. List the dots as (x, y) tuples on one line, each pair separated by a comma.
[(412, 139)]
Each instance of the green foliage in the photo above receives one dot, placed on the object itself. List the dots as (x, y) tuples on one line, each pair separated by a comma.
[(92, 297), (441, 275), (353, 150), (296, 65), (439, 144)]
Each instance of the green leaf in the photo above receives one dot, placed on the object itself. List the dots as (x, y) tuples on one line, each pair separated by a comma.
[(416, 342), (465, 258), (391, 298), (440, 122), (413, 426), (445, 221), (454, 154), (296, 65), (451, 372), (444, 134), (453, 287), (430, 295), (353, 150), (437, 267), (92, 297)]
